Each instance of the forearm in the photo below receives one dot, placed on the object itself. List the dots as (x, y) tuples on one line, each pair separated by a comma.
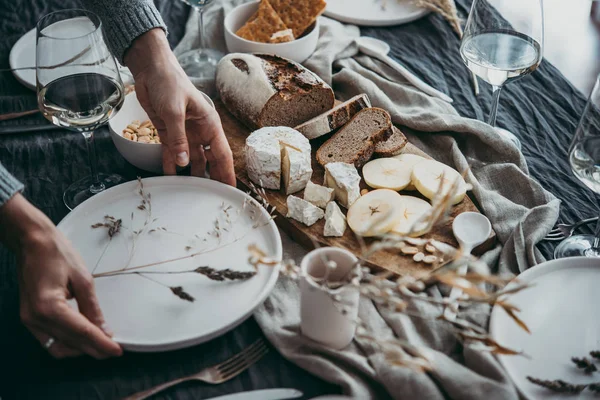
[(124, 21), (153, 42)]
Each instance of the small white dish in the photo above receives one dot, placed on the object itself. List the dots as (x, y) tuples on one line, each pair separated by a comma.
[(560, 309), (146, 316), (373, 13), (146, 156), (297, 50)]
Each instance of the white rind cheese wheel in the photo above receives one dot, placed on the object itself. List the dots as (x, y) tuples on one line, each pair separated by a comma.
[(265, 150), (413, 208), (375, 213), (427, 178), (386, 173), (408, 162)]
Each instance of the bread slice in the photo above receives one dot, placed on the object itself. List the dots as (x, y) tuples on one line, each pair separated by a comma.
[(335, 118), (267, 90), (393, 146), (262, 25), (299, 15), (355, 142)]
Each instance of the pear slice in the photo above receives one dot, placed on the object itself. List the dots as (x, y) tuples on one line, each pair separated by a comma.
[(413, 208), (375, 213), (431, 176)]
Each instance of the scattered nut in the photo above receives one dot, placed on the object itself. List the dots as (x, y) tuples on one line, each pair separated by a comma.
[(430, 248), (419, 257), (430, 259), (409, 250), (364, 191), (141, 132)]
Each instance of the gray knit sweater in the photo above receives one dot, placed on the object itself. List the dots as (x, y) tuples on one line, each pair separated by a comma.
[(123, 21)]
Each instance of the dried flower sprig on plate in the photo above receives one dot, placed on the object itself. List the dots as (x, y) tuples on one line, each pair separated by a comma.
[(558, 385), (222, 226)]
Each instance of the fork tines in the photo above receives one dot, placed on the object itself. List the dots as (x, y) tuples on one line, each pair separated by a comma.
[(243, 360)]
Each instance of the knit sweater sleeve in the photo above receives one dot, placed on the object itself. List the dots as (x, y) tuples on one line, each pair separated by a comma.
[(124, 20), (9, 186)]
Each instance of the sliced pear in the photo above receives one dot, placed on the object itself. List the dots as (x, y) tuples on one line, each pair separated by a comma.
[(409, 161), (427, 176), (413, 208), (386, 173), (375, 213)]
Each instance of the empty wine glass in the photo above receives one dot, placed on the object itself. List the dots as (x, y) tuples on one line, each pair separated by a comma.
[(584, 157), (201, 64), (78, 87), (499, 52)]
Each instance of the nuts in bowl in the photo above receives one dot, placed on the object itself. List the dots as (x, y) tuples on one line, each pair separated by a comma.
[(141, 132)]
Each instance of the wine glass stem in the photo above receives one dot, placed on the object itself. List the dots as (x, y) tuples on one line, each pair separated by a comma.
[(496, 93), (596, 245), (201, 28), (96, 186)]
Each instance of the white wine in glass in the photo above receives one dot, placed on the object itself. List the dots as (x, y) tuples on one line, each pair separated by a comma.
[(499, 52), (78, 87), (584, 158)]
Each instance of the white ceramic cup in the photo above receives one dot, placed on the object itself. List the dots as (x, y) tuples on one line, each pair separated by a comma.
[(322, 319)]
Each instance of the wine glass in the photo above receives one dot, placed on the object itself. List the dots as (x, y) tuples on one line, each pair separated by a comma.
[(200, 64), (78, 87), (584, 157), (499, 52)]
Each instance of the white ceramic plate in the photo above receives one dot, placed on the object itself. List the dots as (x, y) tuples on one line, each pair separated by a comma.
[(561, 310), (372, 12), (146, 316), (22, 55)]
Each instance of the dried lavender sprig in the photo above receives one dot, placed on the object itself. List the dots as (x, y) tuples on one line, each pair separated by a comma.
[(585, 364), (182, 294), (594, 387), (224, 274), (595, 354), (557, 385)]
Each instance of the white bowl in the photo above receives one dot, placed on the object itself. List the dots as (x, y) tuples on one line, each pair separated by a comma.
[(146, 156), (297, 50)]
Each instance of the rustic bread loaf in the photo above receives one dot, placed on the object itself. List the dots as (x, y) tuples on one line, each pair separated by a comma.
[(393, 145), (334, 118), (355, 142), (267, 90)]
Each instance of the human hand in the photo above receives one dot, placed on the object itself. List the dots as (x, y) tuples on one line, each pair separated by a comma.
[(50, 272), (188, 126)]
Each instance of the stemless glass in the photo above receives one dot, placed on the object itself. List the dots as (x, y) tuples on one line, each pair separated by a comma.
[(200, 64), (78, 86), (499, 52), (584, 157)]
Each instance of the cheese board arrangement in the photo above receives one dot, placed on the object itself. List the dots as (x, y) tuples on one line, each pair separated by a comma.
[(338, 173)]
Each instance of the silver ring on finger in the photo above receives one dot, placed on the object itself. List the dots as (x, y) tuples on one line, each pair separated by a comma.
[(207, 147), (49, 343)]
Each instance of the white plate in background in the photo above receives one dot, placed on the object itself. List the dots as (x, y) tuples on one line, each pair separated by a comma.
[(146, 316), (374, 12), (561, 310)]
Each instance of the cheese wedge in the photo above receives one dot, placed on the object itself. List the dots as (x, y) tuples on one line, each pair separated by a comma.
[(413, 208), (335, 221), (386, 173), (273, 150), (303, 211), (344, 179), (318, 195), (375, 213), (431, 177), (408, 162)]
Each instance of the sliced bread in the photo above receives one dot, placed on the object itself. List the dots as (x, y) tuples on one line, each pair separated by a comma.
[(267, 90), (335, 118), (393, 146), (355, 142)]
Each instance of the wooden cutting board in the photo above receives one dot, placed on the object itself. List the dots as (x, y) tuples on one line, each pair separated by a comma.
[(237, 133)]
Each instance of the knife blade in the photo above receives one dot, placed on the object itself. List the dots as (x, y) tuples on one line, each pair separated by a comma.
[(265, 394), (28, 128)]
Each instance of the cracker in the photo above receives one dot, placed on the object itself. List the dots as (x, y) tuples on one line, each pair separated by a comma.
[(298, 15), (262, 25), (282, 36)]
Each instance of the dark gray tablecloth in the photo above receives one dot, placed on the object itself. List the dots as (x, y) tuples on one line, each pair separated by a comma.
[(542, 109)]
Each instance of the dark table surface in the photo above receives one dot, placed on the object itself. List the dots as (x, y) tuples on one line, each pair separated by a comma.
[(542, 109)]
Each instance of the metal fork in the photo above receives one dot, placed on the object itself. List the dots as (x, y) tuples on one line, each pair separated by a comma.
[(216, 374), (563, 231)]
